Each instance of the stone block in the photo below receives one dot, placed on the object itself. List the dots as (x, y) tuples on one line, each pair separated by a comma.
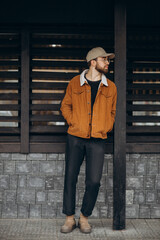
[(108, 157), (148, 156), (55, 196), (9, 167), (105, 167), (35, 182), (158, 197), (109, 196), (10, 196), (101, 197), (26, 196), (152, 167), (13, 181), (1, 167), (49, 181), (134, 183), (130, 168), (48, 211), (37, 156), (5, 156), (103, 211), (35, 211), (52, 156), (23, 211), (151, 196), (157, 185), (61, 156), (109, 182), (144, 211), (134, 156), (132, 211), (35, 167), (4, 182), (59, 168), (9, 210), (23, 167), (150, 182), (19, 156), (110, 168), (22, 181), (41, 197), (139, 197), (110, 211), (140, 167), (129, 197), (155, 211), (58, 183), (1, 196), (48, 167)]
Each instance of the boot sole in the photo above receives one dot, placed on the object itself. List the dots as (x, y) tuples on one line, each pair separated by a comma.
[(83, 231), (69, 231)]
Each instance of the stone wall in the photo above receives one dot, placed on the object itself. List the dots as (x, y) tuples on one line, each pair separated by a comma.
[(31, 186)]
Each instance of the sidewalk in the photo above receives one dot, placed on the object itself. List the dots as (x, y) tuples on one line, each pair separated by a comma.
[(49, 229)]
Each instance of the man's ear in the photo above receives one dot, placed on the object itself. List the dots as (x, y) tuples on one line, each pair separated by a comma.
[(93, 63)]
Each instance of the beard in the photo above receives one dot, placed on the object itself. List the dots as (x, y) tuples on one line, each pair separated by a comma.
[(101, 69)]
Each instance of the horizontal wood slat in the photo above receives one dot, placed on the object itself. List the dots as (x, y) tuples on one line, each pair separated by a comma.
[(143, 86), (10, 96), (46, 85), (10, 130), (144, 97), (12, 86), (48, 129), (12, 107), (146, 107), (143, 119), (52, 117), (45, 107), (42, 96), (146, 76), (9, 119), (143, 129)]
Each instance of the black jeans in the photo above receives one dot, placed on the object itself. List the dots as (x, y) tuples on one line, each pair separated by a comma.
[(76, 149)]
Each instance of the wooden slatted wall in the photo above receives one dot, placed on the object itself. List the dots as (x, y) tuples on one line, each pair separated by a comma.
[(10, 84), (57, 55), (56, 58), (143, 86)]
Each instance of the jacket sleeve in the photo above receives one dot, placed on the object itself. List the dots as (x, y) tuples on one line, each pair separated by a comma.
[(66, 105), (113, 110)]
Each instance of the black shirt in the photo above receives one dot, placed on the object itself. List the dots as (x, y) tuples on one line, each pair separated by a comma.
[(94, 87)]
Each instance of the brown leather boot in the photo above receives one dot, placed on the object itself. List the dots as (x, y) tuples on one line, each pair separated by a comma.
[(84, 226), (69, 226)]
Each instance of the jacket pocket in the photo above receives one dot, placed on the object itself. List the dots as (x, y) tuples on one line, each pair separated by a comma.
[(108, 96), (77, 91)]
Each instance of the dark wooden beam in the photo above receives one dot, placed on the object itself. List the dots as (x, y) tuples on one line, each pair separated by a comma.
[(25, 76), (119, 159)]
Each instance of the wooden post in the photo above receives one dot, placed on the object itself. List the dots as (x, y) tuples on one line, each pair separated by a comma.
[(25, 77), (119, 159)]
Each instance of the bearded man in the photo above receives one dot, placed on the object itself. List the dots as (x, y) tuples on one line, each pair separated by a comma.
[(89, 107)]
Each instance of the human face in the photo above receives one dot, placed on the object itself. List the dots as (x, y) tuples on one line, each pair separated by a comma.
[(102, 64)]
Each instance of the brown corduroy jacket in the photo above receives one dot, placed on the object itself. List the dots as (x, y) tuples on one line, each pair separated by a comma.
[(76, 108)]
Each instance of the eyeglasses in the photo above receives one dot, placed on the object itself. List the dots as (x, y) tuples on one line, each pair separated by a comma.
[(104, 60)]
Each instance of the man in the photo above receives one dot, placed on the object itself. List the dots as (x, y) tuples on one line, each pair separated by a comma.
[(89, 107)]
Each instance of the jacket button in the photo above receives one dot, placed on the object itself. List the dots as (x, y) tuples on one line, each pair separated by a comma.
[(89, 124), (88, 102), (88, 113)]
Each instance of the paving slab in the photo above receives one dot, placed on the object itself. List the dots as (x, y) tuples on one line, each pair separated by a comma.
[(49, 229)]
